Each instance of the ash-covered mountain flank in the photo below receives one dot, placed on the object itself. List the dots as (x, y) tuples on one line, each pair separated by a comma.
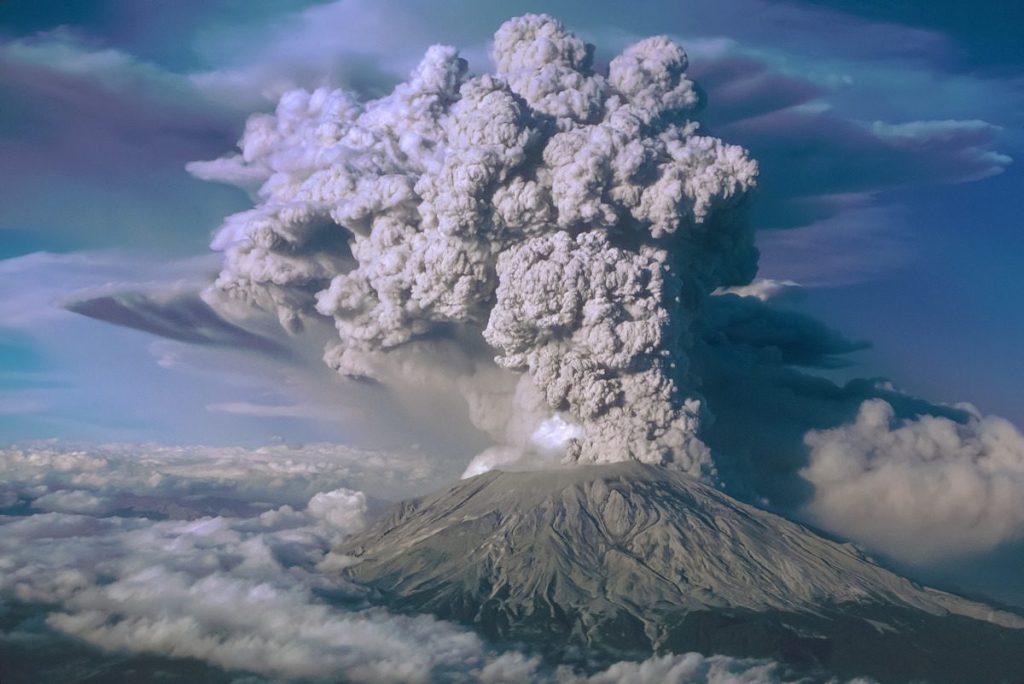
[(629, 559)]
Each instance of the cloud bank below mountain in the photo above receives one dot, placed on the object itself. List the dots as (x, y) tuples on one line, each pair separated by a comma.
[(226, 558)]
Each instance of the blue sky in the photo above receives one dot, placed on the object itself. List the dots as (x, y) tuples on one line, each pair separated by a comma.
[(886, 134)]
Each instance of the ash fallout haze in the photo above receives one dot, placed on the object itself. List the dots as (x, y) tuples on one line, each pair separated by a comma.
[(398, 341)]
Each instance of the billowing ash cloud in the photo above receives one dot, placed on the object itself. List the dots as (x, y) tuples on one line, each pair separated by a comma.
[(574, 220)]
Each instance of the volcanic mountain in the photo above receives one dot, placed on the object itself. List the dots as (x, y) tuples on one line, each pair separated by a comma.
[(625, 560)]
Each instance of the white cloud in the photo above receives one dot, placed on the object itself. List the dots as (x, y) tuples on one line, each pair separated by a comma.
[(691, 667), (919, 490), (229, 591), (198, 480), (62, 52), (247, 408), (765, 289), (343, 510), (363, 45), (74, 501), (963, 144)]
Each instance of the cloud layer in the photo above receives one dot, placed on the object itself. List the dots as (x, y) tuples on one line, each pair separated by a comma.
[(201, 480)]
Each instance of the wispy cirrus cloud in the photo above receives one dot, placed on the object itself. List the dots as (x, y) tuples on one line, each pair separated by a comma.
[(94, 144)]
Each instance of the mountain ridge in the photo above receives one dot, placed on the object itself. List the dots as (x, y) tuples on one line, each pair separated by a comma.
[(630, 559)]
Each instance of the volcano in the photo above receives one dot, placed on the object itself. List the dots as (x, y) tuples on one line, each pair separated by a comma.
[(591, 565)]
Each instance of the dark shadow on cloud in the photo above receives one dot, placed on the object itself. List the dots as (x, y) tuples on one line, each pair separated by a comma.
[(257, 85), (860, 240), (747, 356), (184, 317), (795, 338), (93, 144), (742, 87), (67, 121), (813, 160), (157, 30), (990, 31), (995, 576)]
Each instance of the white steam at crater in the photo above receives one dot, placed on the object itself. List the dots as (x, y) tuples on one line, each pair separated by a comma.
[(574, 221), (555, 434)]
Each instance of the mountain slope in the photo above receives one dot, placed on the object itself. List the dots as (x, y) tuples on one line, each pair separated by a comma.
[(629, 559)]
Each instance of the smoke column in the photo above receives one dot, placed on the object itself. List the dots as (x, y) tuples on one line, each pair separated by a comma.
[(575, 221)]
